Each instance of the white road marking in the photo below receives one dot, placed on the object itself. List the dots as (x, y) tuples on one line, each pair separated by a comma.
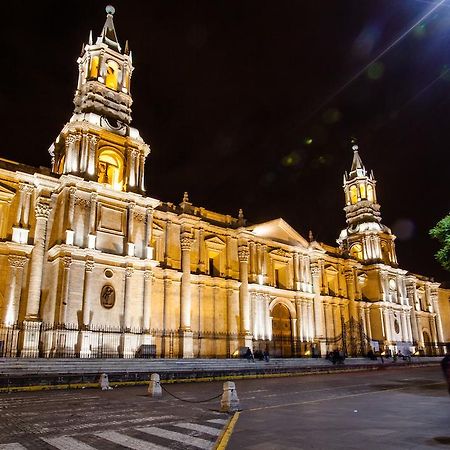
[(201, 428), (180, 437), (67, 443), (12, 446), (219, 421), (128, 441)]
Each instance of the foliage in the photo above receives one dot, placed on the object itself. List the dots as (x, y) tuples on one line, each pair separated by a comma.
[(441, 232)]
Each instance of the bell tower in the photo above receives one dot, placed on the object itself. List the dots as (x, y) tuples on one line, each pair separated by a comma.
[(365, 238), (98, 143)]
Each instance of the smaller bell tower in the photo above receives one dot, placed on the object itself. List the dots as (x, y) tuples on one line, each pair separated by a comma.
[(98, 143), (365, 238)]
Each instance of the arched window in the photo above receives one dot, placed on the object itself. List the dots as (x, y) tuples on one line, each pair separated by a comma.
[(356, 251), (362, 191), (353, 194), (93, 70), (110, 169), (370, 193), (112, 74)]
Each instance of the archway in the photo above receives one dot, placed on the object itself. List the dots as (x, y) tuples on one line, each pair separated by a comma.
[(428, 344), (110, 169), (281, 332)]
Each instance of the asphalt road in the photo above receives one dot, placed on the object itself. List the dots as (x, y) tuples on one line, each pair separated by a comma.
[(383, 409)]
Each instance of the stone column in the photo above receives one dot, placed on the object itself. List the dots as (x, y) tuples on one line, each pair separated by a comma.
[(92, 220), (130, 229), (309, 307), (201, 250), (350, 279), (244, 302), (408, 324), (65, 289), (14, 288), (70, 233), (440, 332), (147, 307), (405, 336), (300, 319), (149, 234), (141, 172), (88, 269), (368, 323), (84, 336), (42, 212), (411, 291), (128, 297), (70, 161), (129, 345), (318, 306), (92, 157), (387, 324), (186, 336), (296, 271)]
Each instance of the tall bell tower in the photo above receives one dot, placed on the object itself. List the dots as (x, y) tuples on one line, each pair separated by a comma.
[(365, 238), (98, 143)]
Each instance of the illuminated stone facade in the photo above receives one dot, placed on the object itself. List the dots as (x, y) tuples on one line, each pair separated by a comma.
[(84, 247)]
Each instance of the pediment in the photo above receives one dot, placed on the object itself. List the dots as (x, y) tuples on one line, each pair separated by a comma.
[(214, 241), (6, 192), (280, 231)]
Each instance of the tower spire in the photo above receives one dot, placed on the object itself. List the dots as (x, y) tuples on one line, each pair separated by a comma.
[(108, 35), (365, 237)]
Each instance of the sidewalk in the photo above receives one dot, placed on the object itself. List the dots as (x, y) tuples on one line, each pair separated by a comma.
[(18, 373)]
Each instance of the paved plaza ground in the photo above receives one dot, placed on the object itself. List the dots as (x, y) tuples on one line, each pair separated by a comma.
[(402, 408)]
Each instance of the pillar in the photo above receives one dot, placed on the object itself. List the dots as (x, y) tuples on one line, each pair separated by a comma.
[(387, 324), (147, 306), (149, 253), (92, 220), (87, 288), (14, 288), (128, 297), (244, 303), (65, 289), (368, 323), (70, 233), (318, 304), (92, 157), (42, 212), (186, 336), (350, 279), (296, 271)]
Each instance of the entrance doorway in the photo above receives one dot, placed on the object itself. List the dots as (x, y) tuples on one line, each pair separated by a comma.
[(281, 332), (427, 343)]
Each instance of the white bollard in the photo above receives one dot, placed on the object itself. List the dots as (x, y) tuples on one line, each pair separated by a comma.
[(104, 382), (154, 387), (229, 401)]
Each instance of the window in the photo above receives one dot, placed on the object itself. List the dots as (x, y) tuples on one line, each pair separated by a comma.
[(370, 196), (356, 251), (112, 72), (93, 72), (353, 194), (362, 190), (214, 266), (110, 169)]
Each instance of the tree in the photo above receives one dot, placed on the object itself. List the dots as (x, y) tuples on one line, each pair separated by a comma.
[(441, 232)]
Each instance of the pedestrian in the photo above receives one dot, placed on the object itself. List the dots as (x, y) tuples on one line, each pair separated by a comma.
[(445, 364), (266, 356), (249, 355)]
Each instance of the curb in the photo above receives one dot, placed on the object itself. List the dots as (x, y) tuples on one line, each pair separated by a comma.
[(225, 436), (311, 371)]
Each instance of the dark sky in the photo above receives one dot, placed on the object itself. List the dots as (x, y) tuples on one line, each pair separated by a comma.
[(235, 98)]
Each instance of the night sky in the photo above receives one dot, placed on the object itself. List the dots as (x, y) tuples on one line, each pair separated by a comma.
[(253, 104)]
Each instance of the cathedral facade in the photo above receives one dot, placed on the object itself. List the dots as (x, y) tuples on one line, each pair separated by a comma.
[(91, 266)]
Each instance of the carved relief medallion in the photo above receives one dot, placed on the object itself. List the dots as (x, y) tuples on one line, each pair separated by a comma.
[(108, 296)]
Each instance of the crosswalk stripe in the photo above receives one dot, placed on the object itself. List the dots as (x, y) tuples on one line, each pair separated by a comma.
[(128, 441), (12, 446), (219, 421), (196, 427), (67, 443), (175, 436)]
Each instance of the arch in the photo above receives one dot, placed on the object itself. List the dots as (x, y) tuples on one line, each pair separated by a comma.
[(353, 194), (286, 303), (282, 336), (356, 251), (110, 168), (112, 74)]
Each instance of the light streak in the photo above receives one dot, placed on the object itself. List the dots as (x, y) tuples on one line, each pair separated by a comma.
[(380, 55)]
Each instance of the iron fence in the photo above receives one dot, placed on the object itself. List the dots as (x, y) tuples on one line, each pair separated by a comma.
[(46, 340)]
